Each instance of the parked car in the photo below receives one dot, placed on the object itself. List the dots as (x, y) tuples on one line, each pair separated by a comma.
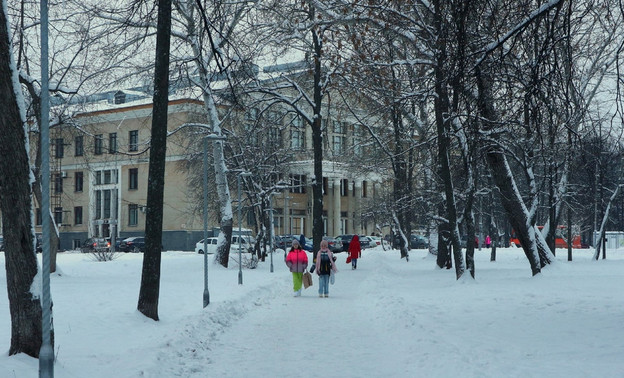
[(309, 245), (285, 241), (375, 240), (94, 245), (211, 246), (117, 243), (333, 244), (418, 242), (367, 242), (246, 243), (133, 244)]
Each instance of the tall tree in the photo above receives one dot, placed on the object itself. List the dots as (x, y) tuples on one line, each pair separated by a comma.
[(16, 206), (150, 278)]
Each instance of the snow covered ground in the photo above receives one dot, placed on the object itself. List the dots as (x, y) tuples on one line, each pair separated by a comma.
[(388, 318)]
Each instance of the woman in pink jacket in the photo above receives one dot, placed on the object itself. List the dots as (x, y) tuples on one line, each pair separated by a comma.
[(297, 262)]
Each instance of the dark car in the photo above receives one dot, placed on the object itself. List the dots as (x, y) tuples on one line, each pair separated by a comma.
[(117, 243), (94, 245), (133, 244), (333, 244), (285, 242), (418, 242), (345, 240)]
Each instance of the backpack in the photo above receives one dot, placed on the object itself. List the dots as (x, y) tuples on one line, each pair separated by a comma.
[(324, 267)]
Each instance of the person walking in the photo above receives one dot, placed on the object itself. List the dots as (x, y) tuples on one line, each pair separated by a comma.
[(326, 265), (297, 262), (355, 251)]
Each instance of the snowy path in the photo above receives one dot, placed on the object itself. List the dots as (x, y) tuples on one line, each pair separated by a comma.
[(331, 337)]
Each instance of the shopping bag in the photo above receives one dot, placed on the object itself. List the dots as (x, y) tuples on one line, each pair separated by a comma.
[(332, 277), (307, 279), (348, 259)]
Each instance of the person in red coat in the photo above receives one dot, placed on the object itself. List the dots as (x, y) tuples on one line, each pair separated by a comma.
[(355, 251), (297, 262)]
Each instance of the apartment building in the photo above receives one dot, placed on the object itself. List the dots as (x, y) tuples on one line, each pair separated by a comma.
[(99, 177)]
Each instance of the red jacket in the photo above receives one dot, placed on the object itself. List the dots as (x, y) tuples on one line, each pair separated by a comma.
[(355, 250)]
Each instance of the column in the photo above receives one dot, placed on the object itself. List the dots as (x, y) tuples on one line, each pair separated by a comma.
[(357, 208), (336, 207)]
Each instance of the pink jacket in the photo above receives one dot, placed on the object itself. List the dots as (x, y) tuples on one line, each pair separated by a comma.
[(297, 260)]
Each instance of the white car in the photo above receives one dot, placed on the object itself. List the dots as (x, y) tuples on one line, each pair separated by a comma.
[(211, 246), (375, 240)]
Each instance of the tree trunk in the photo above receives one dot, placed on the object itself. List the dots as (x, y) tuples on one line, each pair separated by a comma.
[(16, 204), (517, 212), (36, 185), (441, 108), (317, 142), (150, 278)]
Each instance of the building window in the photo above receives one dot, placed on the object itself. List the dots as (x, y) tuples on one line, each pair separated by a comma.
[(107, 204), (338, 144), (251, 116), (120, 98), (339, 137), (275, 137), (79, 145), (297, 183), (364, 189), (297, 137), (38, 219), (133, 178), (133, 145), (58, 183), (325, 185), (107, 176), (98, 204), (59, 148), (344, 187), (133, 214), (98, 144), (78, 181), (58, 215), (78, 215), (112, 143)]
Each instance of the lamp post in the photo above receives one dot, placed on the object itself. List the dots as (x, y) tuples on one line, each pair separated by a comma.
[(206, 138), (240, 261), (272, 231), (46, 351)]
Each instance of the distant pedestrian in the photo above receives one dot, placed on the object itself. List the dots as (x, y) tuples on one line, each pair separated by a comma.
[(355, 251), (326, 265), (488, 241), (297, 262)]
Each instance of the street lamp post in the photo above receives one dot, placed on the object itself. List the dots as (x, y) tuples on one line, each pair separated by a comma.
[(46, 351), (271, 232), (240, 261), (206, 138)]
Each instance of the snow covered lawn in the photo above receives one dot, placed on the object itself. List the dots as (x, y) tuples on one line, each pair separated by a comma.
[(388, 318)]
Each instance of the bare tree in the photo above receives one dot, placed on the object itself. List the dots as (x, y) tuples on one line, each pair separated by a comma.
[(16, 205)]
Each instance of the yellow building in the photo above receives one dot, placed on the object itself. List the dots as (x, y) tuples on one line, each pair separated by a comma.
[(99, 174)]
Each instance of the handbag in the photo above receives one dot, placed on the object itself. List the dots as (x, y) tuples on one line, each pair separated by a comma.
[(307, 279)]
